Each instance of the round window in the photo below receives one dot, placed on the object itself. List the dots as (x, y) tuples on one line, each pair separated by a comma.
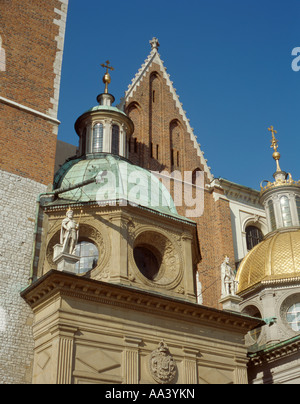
[(89, 256), (293, 316), (148, 261)]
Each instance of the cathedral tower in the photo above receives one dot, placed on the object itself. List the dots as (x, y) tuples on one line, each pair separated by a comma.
[(269, 282)]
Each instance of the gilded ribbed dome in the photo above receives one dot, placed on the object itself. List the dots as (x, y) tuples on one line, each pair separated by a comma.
[(277, 257)]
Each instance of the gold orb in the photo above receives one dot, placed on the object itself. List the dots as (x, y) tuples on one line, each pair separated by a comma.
[(276, 156), (106, 78)]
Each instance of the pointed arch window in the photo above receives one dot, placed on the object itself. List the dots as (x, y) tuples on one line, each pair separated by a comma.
[(98, 138), (115, 139), (286, 211)]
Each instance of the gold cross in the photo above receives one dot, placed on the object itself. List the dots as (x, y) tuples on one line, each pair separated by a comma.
[(106, 77), (107, 66), (274, 141), (271, 129)]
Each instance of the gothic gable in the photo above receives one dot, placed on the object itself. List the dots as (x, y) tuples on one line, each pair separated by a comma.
[(163, 137)]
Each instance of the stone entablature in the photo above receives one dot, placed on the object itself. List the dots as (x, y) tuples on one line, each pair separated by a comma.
[(83, 320)]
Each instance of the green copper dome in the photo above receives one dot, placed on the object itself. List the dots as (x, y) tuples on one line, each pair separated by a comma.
[(106, 108), (121, 181)]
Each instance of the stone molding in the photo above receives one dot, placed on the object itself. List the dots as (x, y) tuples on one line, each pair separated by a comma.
[(120, 296), (275, 353)]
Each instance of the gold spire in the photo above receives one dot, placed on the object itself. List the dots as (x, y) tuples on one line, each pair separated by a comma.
[(281, 177), (106, 77), (274, 146)]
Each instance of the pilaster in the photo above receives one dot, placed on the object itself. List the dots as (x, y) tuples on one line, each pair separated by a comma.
[(119, 237), (271, 331), (63, 345), (240, 375), (131, 370), (189, 277), (190, 365)]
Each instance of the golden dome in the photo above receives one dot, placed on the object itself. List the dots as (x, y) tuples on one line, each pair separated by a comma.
[(277, 257)]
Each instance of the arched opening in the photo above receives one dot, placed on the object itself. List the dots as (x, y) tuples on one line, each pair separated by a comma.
[(286, 211), (272, 215), (253, 311), (115, 145), (97, 138), (176, 143), (253, 236)]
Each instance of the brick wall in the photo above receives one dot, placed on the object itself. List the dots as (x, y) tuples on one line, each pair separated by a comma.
[(161, 141), (32, 37), (32, 34), (28, 144)]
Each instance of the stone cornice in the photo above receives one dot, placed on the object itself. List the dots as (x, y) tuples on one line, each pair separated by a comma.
[(32, 111), (276, 352), (66, 284), (121, 205), (240, 193), (281, 282)]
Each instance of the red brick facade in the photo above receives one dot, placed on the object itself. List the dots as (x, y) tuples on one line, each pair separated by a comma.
[(162, 141), (29, 32)]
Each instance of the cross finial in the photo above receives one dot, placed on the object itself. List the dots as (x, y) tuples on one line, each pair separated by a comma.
[(107, 66), (274, 141), (106, 77), (274, 146), (154, 43)]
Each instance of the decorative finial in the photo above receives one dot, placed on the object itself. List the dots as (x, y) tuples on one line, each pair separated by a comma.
[(154, 43), (106, 77), (274, 146)]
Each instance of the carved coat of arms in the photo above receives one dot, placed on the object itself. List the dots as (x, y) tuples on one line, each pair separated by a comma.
[(162, 364)]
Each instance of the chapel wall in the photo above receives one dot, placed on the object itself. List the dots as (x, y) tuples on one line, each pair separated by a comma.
[(107, 334)]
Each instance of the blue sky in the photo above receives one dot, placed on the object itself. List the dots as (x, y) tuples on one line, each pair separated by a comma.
[(230, 62)]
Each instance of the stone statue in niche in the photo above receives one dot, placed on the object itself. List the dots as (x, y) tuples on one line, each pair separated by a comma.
[(229, 284), (64, 253), (69, 233)]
